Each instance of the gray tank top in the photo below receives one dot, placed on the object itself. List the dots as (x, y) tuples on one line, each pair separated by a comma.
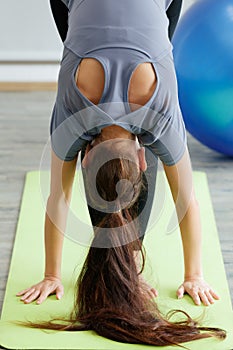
[(120, 35)]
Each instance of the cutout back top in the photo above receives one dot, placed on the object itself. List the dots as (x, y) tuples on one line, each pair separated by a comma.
[(120, 35)]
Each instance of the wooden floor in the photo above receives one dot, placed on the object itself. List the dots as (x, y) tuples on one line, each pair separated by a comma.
[(24, 130)]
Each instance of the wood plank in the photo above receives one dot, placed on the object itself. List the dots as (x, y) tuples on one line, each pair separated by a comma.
[(28, 86)]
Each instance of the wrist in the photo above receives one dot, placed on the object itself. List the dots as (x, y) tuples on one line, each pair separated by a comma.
[(193, 272), (193, 276), (53, 277)]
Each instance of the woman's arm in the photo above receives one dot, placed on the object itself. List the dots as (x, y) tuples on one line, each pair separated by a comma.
[(62, 177), (180, 180)]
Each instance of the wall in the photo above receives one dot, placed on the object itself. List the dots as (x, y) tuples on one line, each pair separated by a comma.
[(30, 46)]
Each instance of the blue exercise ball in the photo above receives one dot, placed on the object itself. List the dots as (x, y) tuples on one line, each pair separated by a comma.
[(203, 56)]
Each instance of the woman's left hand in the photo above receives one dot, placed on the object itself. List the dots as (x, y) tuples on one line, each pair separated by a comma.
[(199, 290)]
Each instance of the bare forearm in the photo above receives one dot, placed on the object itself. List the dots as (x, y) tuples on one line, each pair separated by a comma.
[(181, 183), (190, 227), (55, 223)]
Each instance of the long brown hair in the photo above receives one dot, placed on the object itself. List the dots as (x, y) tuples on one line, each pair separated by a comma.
[(110, 299)]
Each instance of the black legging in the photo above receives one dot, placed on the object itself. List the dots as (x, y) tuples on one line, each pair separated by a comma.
[(60, 13), (173, 14)]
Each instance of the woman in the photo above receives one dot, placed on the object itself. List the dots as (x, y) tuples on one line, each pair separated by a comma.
[(117, 103)]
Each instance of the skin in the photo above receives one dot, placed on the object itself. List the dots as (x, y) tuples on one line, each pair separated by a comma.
[(90, 81)]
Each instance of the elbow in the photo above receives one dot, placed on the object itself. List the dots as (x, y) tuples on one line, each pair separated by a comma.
[(187, 206), (58, 200), (194, 203)]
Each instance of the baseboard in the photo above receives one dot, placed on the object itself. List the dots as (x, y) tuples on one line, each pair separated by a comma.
[(28, 86)]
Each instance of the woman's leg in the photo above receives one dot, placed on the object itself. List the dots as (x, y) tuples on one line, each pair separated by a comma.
[(60, 14), (173, 14)]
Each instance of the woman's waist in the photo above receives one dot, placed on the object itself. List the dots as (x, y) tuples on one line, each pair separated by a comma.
[(122, 23), (120, 13), (152, 42)]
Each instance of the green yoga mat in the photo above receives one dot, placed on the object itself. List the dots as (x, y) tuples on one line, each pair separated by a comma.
[(164, 269)]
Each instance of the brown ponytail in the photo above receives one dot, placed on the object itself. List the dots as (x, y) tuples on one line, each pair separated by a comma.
[(111, 301), (109, 297)]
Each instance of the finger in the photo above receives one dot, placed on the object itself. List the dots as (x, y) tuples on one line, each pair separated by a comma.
[(216, 296), (151, 295), (23, 292), (32, 297), (59, 292), (154, 292), (209, 296), (195, 297), (180, 292), (148, 294), (26, 295), (204, 298), (42, 297)]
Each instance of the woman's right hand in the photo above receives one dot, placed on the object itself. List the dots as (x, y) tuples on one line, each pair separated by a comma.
[(41, 290)]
